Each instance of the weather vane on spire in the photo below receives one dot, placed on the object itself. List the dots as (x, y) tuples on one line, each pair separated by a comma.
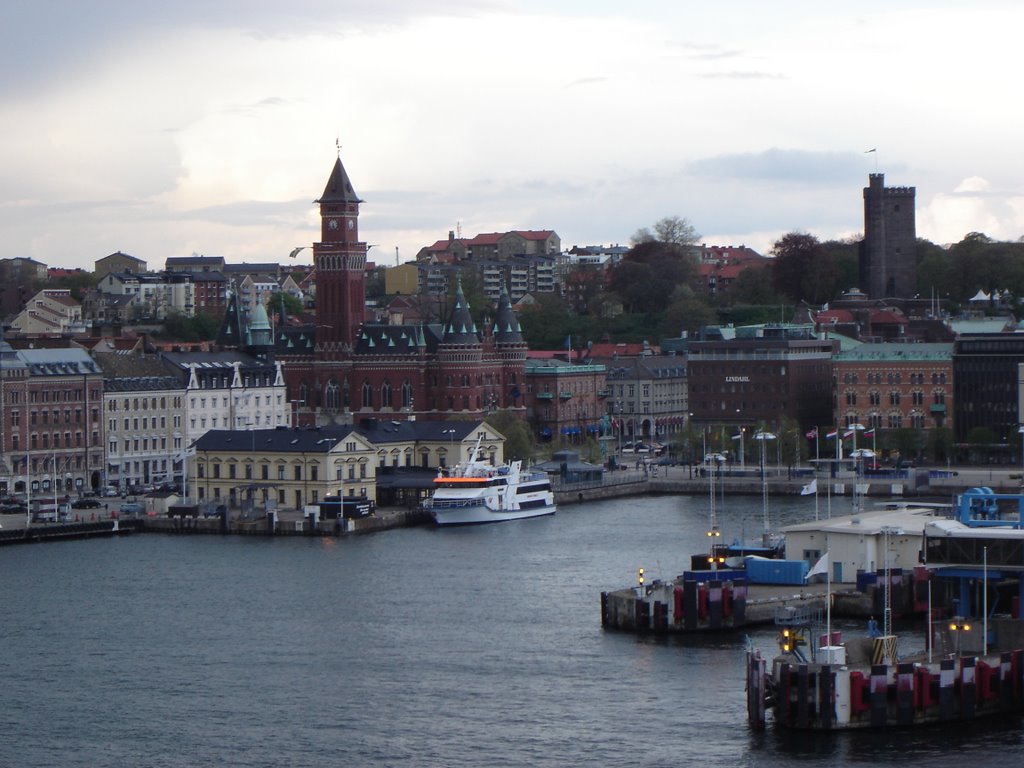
[(337, 146)]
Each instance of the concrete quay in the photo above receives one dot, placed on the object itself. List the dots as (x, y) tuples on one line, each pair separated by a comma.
[(700, 603), (14, 529)]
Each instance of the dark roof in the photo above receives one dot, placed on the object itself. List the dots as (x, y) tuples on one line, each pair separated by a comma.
[(231, 333), (339, 188), (117, 366), (198, 260), (213, 276), (383, 431), (263, 268), (295, 339), (214, 360), (382, 339), (506, 324), (319, 440), (460, 328)]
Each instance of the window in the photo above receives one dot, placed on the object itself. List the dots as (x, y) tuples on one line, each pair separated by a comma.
[(216, 471), (331, 395), (297, 472), (894, 397), (367, 395)]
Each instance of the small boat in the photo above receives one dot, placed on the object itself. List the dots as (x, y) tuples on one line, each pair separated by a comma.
[(479, 492)]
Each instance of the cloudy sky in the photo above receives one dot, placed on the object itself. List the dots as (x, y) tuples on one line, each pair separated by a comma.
[(166, 129)]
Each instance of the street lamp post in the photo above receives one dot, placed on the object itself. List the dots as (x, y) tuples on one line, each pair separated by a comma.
[(763, 437), (451, 441), (958, 626)]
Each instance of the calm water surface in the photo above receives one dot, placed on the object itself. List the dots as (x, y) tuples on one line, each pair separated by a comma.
[(456, 647)]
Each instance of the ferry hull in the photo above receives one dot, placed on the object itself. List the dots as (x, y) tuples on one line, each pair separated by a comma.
[(477, 514)]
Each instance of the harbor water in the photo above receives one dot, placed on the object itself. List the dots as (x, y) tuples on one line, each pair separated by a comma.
[(475, 646)]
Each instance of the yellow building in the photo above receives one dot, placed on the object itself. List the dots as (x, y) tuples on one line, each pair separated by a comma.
[(270, 469), (402, 280)]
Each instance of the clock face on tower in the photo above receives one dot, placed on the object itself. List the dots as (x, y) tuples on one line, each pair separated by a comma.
[(332, 223), (351, 224)]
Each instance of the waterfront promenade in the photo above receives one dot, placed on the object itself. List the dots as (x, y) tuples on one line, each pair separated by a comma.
[(927, 482)]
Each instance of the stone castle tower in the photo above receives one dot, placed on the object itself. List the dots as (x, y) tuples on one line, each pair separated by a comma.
[(888, 266)]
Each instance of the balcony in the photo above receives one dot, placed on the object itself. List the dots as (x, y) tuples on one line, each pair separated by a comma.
[(604, 393), (545, 396), (565, 395)]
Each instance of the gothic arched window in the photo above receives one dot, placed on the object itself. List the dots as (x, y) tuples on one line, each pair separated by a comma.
[(332, 395)]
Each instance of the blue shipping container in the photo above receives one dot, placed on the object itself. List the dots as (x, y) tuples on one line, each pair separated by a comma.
[(765, 571)]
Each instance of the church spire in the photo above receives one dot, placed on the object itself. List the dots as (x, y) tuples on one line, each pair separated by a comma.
[(339, 187), (506, 324), (460, 328)]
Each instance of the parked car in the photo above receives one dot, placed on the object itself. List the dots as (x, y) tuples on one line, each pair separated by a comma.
[(110, 492), (132, 508), (86, 504)]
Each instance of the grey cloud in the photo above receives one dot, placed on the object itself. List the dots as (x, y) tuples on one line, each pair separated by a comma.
[(784, 165), (41, 39), (245, 213)]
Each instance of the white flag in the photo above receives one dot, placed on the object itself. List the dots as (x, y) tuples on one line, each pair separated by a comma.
[(811, 487), (819, 567)]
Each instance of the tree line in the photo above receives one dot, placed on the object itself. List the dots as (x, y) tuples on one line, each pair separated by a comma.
[(649, 295)]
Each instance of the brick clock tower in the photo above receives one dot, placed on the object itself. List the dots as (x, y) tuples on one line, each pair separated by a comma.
[(339, 259)]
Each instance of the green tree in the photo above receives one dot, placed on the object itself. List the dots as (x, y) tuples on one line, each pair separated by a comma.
[(940, 444), (583, 286), (846, 255), (686, 312), (906, 441), (546, 323), (78, 282), (934, 270), (675, 230), (178, 327), (803, 269), (292, 305), (518, 440), (751, 286), (646, 278)]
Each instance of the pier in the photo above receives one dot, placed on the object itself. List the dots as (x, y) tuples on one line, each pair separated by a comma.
[(721, 602), (16, 531)]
